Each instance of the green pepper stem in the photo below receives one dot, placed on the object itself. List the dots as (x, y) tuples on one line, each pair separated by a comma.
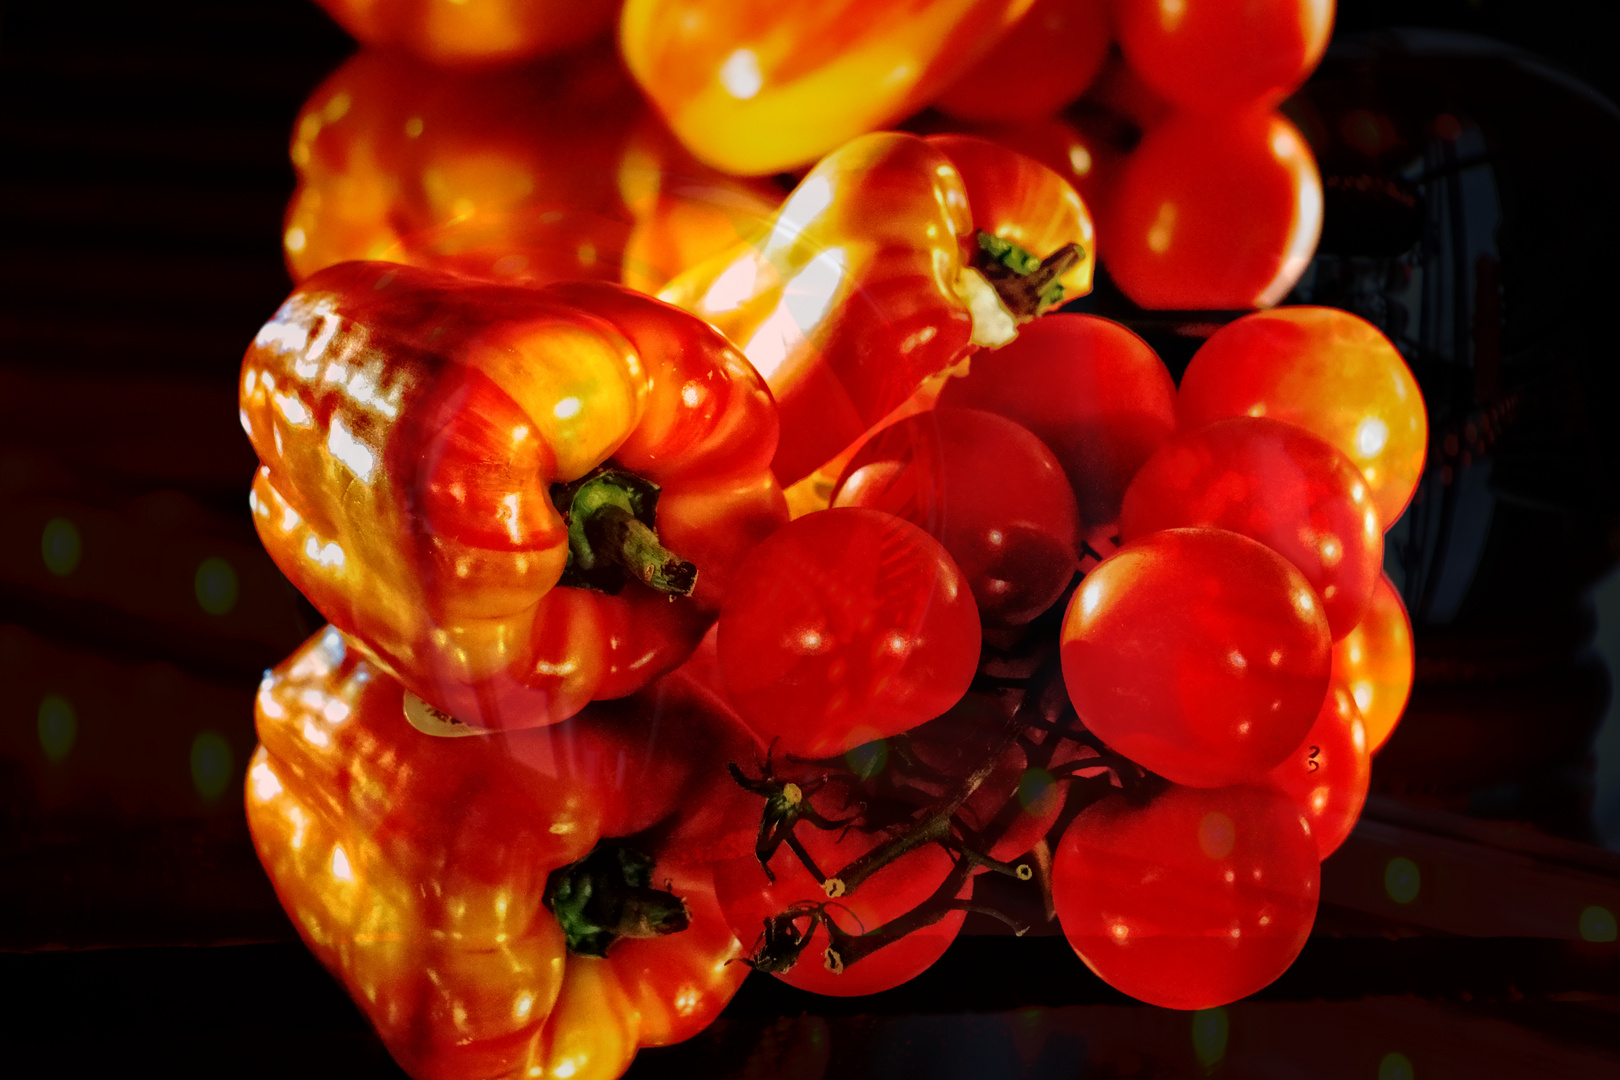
[(610, 517), (1027, 286), (632, 545)]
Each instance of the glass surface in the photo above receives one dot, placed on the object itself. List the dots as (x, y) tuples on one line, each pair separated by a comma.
[(1468, 925)]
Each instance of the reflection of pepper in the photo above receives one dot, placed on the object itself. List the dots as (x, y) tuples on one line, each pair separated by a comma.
[(423, 438), (457, 886), (472, 31), (546, 173), (756, 88), (891, 261)]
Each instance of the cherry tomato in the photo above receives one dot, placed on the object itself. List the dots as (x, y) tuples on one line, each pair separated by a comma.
[(1197, 899), (1197, 653), (1275, 483), (1325, 370), (1375, 661), (1327, 776), (749, 897), (845, 626), (1214, 212), (1220, 55), (986, 489), (1088, 388), (1046, 59)]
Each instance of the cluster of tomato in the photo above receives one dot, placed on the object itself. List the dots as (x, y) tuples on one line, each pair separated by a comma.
[(745, 625)]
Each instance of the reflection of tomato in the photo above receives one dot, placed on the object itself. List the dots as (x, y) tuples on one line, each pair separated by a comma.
[(1214, 212), (1219, 55), (473, 31), (1045, 61), (847, 625), (1197, 899)]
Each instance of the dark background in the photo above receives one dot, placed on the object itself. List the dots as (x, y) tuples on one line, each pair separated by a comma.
[(143, 173)]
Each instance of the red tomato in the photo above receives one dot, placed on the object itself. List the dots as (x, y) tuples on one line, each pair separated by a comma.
[(1375, 661), (1197, 899), (1328, 371), (1088, 388), (1328, 774), (749, 898), (1274, 483), (1214, 212), (1221, 55), (986, 489), (1045, 61), (1197, 653), (845, 626)]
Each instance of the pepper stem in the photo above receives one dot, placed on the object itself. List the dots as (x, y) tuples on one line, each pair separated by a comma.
[(611, 514), (608, 895), (1028, 286)]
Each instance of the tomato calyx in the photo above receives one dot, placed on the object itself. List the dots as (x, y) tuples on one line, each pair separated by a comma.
[(612, 535), (1028, 286), (786, 804), (609, 895)]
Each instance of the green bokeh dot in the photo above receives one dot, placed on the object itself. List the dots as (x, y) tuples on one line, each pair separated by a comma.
[(868, 759), (1033, 785), (1395, 1066), (58, 726), (1597, 924), (61, 547), (211, 761), (1402, 880), (216, 586), (1210, 1028)]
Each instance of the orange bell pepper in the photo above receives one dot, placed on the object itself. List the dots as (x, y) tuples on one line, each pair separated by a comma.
[(446, 881), (551, 172), (499, 489), (468, 32), (756, 86), (891, 262)]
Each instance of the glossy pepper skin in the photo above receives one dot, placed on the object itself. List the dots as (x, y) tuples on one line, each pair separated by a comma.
[(759, 86), (416, 870), (866, 283), (549, 172), (472, 32), (411, 427)]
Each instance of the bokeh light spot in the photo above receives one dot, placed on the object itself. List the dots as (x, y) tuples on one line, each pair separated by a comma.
[(61, 546), (1210, 1028), (1395, 1066), (1402, 880), (59, 727), (216, 586), (1033, 786), (1597, 924), (211, 762), (868, 759)]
